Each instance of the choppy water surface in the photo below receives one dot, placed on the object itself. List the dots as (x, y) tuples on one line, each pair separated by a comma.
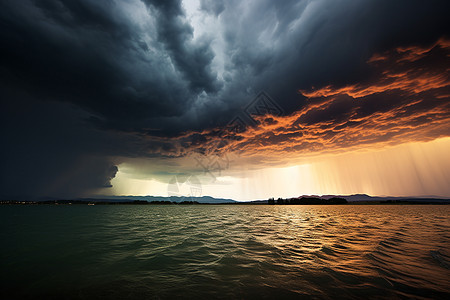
[(224, 251)]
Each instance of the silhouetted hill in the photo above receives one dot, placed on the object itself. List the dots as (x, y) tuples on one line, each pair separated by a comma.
[(302, 200), (357, 199), (367, 198), (204, 199), (128, 199)]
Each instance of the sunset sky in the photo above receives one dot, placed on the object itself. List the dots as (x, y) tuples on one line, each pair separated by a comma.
[(240, 99)]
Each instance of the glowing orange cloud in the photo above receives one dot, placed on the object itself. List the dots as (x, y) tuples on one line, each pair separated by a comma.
[(414, 53), (398, 75), (407, 101)]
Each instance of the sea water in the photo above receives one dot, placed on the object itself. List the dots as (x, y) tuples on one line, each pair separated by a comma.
[(224, 251)]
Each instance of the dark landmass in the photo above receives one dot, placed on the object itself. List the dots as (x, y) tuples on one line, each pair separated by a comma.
[(113, 200), (367, 198), (203, 199), (360, 199), (97, 202), (206, 200), (308, 201)]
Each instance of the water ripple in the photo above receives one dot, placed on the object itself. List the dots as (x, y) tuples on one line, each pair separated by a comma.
[(223, 251)]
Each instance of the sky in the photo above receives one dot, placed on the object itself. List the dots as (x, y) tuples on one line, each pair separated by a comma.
[(231, 99)]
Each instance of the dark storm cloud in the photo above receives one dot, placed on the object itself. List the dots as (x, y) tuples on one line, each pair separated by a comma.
[(193, 60), (214, 7), (92, 55), (291, 45), (46, 151), (102, 80)]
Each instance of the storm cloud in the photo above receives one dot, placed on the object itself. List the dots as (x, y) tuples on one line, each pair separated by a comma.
[(85, 84)]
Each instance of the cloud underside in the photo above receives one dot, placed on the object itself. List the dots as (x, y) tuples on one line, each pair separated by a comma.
[(406, 100)]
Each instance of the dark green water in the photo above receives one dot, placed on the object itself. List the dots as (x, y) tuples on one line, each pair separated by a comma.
[(224, 251)]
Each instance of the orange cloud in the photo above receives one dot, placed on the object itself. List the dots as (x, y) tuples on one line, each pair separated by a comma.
[(411, 83), (399, 74), (414, 53), (407, 101)]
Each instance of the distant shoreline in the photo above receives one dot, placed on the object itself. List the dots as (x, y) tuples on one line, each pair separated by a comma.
[(258, 203)]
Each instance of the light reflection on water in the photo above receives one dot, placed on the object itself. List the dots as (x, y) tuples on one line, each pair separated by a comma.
[(224, 251)]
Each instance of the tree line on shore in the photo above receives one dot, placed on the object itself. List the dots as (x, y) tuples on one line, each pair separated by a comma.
[(307, 201)]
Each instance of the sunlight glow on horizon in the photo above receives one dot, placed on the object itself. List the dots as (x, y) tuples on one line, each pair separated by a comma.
[(413, 169)]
